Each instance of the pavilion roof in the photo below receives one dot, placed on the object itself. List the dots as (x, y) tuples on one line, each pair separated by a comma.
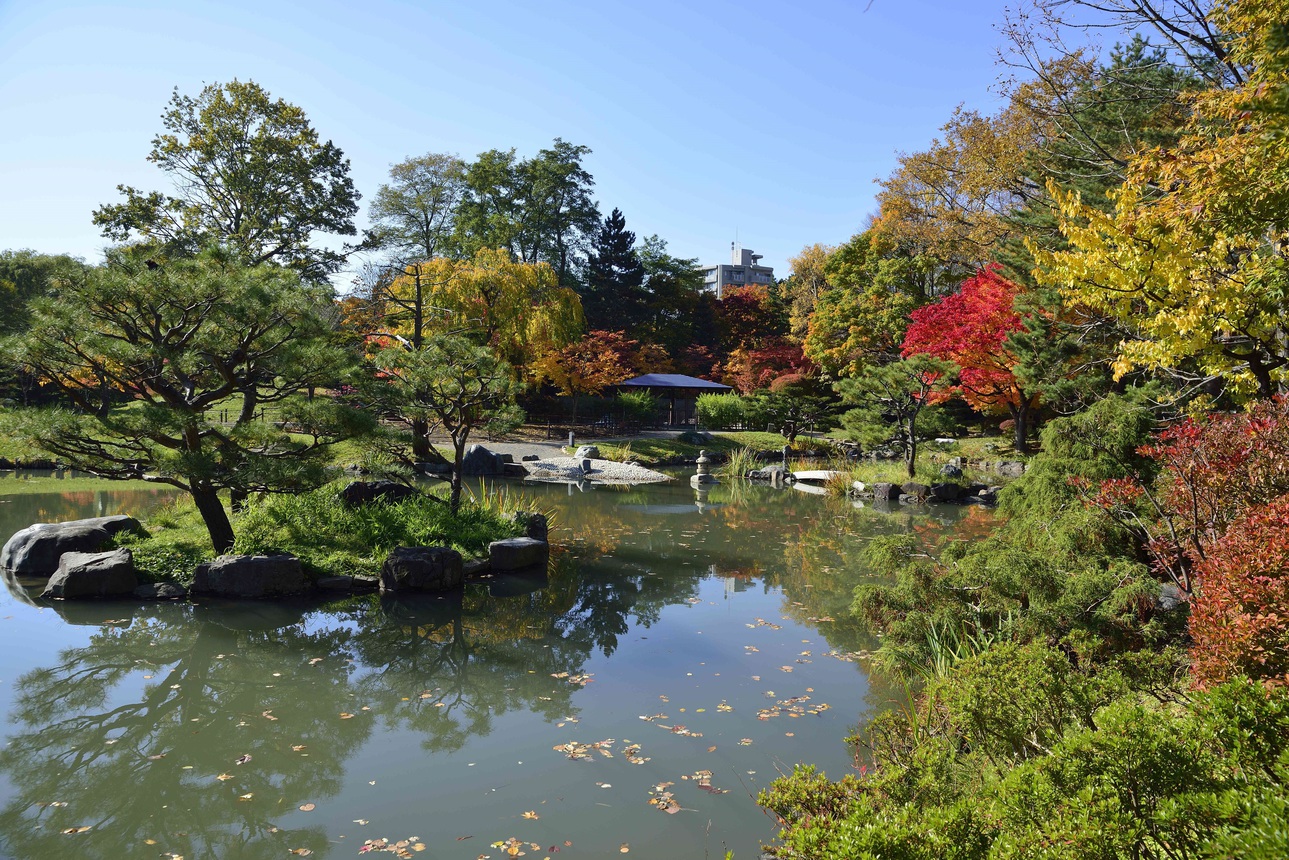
[(673, 380)]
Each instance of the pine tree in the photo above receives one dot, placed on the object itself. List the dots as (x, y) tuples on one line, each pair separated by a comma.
[(614, 297)]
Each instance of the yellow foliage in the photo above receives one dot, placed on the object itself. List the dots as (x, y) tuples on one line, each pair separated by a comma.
[(518, 309)]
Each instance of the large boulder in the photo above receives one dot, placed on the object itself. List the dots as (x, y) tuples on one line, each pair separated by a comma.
[(951, 470), (421, 568), (947, 492), (35, 550), (916, 490), (533, 524), (586, 451), (361, 493), (518, 554), (1010, 468), (251, 576), (93, 576), (776, 472), (479, 461), (886, 492)]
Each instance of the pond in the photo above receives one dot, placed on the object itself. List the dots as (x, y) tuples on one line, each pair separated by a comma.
[(681, 652)]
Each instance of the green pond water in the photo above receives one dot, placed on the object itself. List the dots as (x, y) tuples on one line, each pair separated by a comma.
[(681, 652)]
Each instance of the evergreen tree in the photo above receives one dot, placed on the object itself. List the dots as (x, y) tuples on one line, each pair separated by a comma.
[(614, 297)]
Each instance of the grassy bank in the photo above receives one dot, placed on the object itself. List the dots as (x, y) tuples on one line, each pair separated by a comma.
[(650, 451), (328, 537)]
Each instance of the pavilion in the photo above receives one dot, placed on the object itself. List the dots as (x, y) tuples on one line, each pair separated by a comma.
[(673, 386)]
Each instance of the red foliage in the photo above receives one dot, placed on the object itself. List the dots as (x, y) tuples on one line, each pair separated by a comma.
[(970, 328), (741, 316), (598, 360), (753, 369), (1239, 619)]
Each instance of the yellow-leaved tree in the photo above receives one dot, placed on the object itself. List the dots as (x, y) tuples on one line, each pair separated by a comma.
[(1192, 262), (517, 309)]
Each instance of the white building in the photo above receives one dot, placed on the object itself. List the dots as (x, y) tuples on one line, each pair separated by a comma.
[(742, 270)]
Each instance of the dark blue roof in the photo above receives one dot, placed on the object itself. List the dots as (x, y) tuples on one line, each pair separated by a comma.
[(672, 380)]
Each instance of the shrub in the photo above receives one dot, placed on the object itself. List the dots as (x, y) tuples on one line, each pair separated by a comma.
[(1239, 620), (638, 406), (721, 411)]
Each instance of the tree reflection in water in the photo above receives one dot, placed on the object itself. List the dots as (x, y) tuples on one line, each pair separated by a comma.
[(130, 733)]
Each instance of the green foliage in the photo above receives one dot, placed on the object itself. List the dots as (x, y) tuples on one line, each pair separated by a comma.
[(253, 175), (721, 411), (892, 400), (150, 353), (638, 406), (331, 538)]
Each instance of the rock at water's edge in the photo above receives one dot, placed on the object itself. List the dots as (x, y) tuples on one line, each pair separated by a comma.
[(251, 576), (518, 553), (421, 568), (361, 493), (93, 576), (35, 550)]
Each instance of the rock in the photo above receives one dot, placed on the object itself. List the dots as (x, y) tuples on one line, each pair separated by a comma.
[(530, 458), (886, 492), (1170, 598), (913, 488), (945, 440), (475, 567), (1010, 468), (438, 469), (93, 575), (769, 473), (361, 493), (695, 437), (160, 591), (858, 488), (479, 461), (421, 568), (976, 489), (949, 470), (586, 451), (251, 576), (35, 550), (946, 492), (514, 470), (533, 524), (348, 584), (517, 553)]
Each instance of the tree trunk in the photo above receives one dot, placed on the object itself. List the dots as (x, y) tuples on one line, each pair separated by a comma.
[(214, 516), (421, 449), (1020, 417), (454, 501), (911, 448)]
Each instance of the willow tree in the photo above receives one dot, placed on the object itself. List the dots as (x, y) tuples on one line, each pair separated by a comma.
[(168, 366)]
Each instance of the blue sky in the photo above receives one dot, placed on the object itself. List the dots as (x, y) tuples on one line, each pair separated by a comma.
[(705, 118)]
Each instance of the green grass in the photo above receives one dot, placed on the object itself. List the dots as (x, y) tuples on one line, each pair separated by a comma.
[(651, 451), (24, 485), (328, 537)]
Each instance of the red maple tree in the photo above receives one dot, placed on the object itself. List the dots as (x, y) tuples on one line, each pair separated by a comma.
[(970, 329)]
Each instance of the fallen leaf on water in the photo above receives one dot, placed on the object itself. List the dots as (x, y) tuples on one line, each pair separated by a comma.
[(224, 776), (80, 829), (745, 742), (712, 748), (297, 747), (361, 822), (315, 661), (346, 716), (624, 848), (156, 757), (246, 796), (532, 814), (307, 807), (302, 852), (268, 715), (243, 759)]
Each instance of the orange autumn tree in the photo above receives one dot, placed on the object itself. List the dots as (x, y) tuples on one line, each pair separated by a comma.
[(590, 365), (972, 328)]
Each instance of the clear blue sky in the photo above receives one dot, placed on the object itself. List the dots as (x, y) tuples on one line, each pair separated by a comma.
[(704, 118)]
